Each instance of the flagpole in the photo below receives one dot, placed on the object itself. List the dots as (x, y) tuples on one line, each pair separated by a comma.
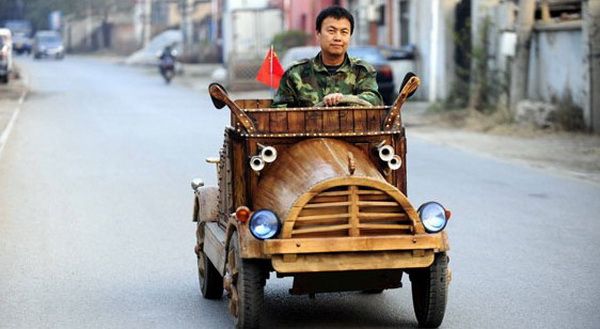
[(271, 71)]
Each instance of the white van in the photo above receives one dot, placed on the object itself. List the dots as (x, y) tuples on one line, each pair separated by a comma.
[(5, 55)]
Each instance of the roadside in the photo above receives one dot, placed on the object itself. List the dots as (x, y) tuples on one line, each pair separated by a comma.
[(12, 96)]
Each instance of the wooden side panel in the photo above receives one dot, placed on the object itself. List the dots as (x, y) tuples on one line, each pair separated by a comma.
[(346, 121), (360, 121), (238, 174), (214, 245), (373, 120), (331, 121), (278, 122), (262, 121), (314, 121), (296, 122)]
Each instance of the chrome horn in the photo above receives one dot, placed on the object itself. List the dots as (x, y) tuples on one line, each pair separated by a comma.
[(395, 162), (268, 153), (385, 151), (257, 163)]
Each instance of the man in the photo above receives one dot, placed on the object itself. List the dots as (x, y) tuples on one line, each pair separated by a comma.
[(332, 74)]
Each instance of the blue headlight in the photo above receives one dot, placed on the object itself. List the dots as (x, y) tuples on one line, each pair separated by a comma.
[(264, 224), (433, 216)]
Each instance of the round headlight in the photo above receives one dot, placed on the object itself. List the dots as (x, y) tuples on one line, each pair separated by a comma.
[(264, 224), (433, 216)]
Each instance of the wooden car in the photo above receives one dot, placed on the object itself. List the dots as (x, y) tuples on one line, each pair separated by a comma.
[(317, 194)]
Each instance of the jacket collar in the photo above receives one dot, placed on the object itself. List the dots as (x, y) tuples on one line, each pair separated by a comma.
[(320, 67)]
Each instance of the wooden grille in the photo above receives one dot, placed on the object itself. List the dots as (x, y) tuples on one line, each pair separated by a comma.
[(351, 211)]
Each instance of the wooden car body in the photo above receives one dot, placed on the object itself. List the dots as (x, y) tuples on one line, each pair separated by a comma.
[(346, 221)]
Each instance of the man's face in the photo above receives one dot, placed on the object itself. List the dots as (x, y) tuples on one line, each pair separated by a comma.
[(334, 36)]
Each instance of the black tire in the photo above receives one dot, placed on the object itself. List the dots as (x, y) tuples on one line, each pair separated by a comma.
[(247, 287), (209, 278), (430, 292), (4, 79)]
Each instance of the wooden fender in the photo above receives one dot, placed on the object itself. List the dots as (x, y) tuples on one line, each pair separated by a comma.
[(206, 204)]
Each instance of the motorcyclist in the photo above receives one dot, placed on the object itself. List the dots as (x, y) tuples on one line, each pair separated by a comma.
[(168, 52), (167, 62)]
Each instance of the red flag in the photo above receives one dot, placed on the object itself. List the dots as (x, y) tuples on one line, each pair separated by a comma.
[(270, 71)]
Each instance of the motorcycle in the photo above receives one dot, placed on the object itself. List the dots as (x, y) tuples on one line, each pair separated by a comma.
[(167, 68)]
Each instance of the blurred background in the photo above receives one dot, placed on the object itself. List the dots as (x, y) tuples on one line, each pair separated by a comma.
[(466, 52)]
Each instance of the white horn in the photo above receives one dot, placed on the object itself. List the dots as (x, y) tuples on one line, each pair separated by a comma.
[(386, 152), (268, 154), (395, 162), (257, 163)]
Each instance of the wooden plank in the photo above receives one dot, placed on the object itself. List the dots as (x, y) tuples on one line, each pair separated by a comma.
[(331, 121), (382, 216), (322, 222), (214, 245), (321, 229), (321, 217), (296, 122), (334, 193), (324, 211), (374, 120), (326, 205), (378, 203), (353, 261), (262, 121), (314, 121), (346, 120), (385, 226), (353, 211), (322, 199), (360, 121), (371, 192), (238, 174), (278, 122), (341, 244)]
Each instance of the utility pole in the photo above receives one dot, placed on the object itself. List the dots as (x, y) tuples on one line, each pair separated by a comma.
[(187, 26), (147, 22), (520, 68)]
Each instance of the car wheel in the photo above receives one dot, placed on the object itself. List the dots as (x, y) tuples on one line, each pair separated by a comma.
[(4, 79), (430, 292), (211, 281), (245, 287)]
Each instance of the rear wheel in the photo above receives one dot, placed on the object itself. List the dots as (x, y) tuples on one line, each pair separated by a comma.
[(430, 292), (244, 283)]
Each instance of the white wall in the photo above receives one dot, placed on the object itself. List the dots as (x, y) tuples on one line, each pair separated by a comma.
[(556, 65)]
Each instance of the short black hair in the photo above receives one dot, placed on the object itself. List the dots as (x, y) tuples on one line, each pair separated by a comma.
[(336, 12)]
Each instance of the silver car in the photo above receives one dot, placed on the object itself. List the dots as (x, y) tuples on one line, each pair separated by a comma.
[(48, 44)]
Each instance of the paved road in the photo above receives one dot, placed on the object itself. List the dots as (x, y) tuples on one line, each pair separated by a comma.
[(95, 228)]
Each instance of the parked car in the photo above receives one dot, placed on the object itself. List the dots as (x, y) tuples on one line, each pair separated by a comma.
[(21, 43), (372, 55), (21, 33), (48, 44), (5, 55)]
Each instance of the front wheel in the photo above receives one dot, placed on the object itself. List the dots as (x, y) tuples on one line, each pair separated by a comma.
[(211, 282), (245, 287), (430, 292)]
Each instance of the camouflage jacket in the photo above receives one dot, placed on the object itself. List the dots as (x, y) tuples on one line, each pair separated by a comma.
[(306, 82)]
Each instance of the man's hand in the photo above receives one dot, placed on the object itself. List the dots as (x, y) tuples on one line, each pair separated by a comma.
[(332, 99)]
